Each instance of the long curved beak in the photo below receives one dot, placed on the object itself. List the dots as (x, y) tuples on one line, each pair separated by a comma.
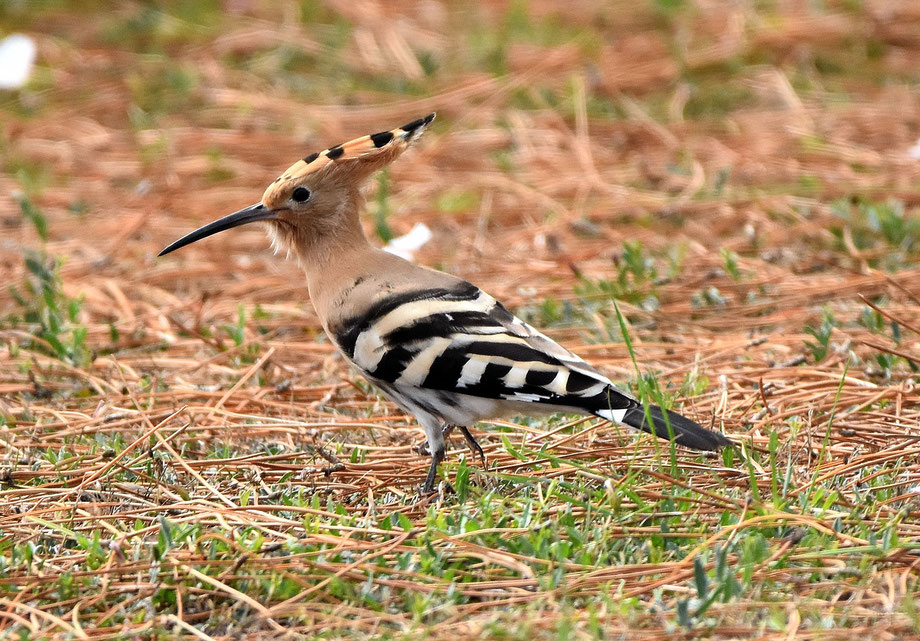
[(251, 214)]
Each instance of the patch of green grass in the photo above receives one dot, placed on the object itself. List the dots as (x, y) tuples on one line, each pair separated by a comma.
[(636, 274), (872, 320), (51, 315), (218, 171), (730, 262), (487, 47), (21, 15), (33, 177), (872, 225), (315, 75), (551, 531), (708, 297), (164, 88), (551, 313), (820, 347), (457, 200), (716, 92), (382, 207), (636, 280), (876, 323), (237, 333), (808, 185), (160, 28)]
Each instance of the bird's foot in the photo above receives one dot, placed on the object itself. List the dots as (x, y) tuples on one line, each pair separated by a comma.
[(445, 488), (436, 458), (423, 448), (471, 441)]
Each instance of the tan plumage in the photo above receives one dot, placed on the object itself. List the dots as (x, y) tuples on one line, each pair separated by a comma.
[(437, 345)]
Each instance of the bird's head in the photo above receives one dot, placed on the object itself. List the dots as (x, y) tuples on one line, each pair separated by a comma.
[(308, 199)]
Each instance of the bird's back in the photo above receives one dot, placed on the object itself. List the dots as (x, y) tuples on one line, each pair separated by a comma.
[(435, 341)]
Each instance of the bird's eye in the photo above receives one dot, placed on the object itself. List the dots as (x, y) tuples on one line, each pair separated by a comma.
[(301, 195)]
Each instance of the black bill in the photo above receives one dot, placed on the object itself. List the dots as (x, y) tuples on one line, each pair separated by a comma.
[(251, 214)]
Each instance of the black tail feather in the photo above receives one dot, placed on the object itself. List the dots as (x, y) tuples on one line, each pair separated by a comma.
[(686, 432)]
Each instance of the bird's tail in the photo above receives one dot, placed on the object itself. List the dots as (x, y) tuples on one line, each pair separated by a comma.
[(686, 432)]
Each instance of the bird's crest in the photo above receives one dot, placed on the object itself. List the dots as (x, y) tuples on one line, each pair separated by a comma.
[(354, 160)]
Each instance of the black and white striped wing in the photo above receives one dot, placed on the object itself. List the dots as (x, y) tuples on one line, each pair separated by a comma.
[(462, 340)]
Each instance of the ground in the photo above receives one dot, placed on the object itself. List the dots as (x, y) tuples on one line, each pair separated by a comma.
[(185, 456)]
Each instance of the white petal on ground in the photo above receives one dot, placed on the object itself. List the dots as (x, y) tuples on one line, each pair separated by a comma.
[(914, 152), (405, 246), (17, 55)]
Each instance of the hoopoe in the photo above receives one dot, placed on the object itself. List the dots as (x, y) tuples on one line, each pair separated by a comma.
[(439, 347)]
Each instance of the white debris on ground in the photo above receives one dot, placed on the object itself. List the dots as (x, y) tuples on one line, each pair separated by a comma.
[(914, 152), (17, 55), (405, 246)]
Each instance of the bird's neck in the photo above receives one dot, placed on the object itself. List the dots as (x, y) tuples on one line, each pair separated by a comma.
[(323, 246)]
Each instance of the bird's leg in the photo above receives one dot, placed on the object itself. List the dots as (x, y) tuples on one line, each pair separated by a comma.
[(473, 443), (445, 432), (436, 458), (436, 445), (470, 440)]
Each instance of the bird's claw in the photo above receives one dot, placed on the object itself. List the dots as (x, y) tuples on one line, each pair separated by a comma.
[(471, 441)]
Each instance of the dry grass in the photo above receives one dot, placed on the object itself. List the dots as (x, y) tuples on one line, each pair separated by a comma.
[(200, 464)]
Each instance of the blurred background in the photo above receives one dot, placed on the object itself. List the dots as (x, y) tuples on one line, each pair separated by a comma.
[(735, 173), (667, 138)]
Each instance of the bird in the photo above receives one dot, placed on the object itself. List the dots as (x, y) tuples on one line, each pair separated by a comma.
[(438, 346)]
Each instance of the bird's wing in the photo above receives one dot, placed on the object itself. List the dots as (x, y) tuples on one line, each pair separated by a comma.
[(459, 339)]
